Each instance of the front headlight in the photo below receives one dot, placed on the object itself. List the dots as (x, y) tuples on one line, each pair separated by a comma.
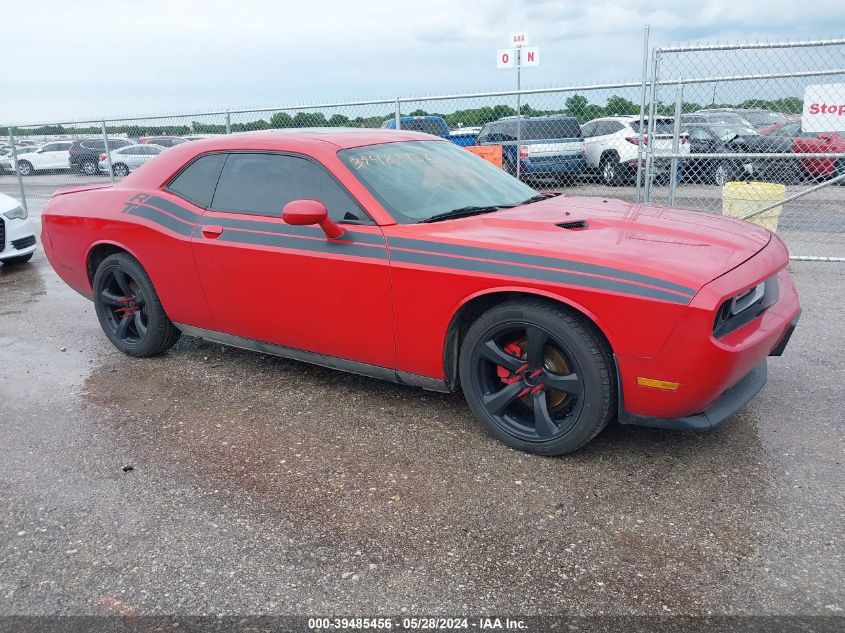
[(18, 213)]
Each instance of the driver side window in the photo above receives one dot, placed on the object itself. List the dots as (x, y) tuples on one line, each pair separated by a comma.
[(262, 184)]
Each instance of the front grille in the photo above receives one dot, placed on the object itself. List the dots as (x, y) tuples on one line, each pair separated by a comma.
[(2, 235), (24, 242)]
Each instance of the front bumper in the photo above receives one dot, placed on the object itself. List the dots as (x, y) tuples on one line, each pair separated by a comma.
[(705, 367), (18, 238), (731, 401)]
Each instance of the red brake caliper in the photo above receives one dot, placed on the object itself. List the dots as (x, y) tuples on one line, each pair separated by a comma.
[(508, 377)]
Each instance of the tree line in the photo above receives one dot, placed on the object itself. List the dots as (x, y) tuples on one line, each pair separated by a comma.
[(575, 105)]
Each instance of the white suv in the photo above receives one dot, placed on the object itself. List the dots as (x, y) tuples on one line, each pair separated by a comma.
[(17, 239), (611, 145), (49, 156)]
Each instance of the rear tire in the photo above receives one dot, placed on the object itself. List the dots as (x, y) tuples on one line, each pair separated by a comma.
[(120, 170), (129, 309), (89, 167), (25, 168), (538, 378)]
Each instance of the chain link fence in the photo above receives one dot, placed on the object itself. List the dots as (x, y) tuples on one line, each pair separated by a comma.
[(712, 128), (754, 145)]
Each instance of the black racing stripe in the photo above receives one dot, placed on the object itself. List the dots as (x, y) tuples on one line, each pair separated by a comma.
[(572, 279), (173, 209), (536, 260), (298, 243), (290, 229), (257, 224), (177, 226)]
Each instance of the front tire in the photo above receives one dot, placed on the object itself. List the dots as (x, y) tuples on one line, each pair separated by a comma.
[(25, 168), (537, 378), (120, 170), (129, 309)]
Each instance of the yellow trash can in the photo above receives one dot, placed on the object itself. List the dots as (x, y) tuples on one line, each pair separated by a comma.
[(741, 198)]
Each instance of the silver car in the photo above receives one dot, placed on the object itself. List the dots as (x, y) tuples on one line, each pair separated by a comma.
[(129, 158)]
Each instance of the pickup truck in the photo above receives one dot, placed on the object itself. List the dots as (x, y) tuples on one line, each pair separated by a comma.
[(436, 125)]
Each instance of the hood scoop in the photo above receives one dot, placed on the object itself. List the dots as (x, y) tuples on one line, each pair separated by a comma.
[(575, 225)]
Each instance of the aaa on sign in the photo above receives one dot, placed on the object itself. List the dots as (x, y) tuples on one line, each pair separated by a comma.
[(518, 39)]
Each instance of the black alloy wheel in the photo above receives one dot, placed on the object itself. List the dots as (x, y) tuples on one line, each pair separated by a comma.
[(538, 378), (125, 307), (129, 309)]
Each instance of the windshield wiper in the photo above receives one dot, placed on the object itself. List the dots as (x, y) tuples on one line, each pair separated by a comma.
[(538, 197), (464, 212)]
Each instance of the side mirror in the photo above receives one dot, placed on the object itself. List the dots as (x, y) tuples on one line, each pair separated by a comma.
[(308, 212)]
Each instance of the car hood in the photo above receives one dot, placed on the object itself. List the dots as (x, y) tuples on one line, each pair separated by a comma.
[(678, 246)]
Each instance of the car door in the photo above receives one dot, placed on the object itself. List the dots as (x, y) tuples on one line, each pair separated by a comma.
[(45, 157), (289, 285), (135, 156), (812, 143), (55, 155)]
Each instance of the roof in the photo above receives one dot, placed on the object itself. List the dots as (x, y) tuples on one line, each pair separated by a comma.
[(341, 137)]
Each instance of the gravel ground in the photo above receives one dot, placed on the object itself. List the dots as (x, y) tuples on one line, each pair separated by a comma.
[(265, 486)]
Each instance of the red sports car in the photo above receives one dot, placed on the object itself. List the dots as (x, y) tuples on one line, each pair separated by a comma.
[(401, 256)]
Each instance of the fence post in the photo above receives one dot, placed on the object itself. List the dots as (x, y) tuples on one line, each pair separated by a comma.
[(398, 115), (518, 110), (642, 114), (228, 123), (676, 136), (652, 110), (108, 152), (17, 171)]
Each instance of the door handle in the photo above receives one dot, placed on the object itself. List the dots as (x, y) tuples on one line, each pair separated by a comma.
[(212, 231)]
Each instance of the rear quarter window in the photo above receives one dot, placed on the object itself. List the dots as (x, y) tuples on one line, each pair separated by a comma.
[(196, 182)]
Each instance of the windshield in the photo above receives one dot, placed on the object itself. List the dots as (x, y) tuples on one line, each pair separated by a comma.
[(762, 118), (415, 180)]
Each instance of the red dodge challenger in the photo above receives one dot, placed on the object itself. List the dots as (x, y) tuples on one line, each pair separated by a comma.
[(401, 256)]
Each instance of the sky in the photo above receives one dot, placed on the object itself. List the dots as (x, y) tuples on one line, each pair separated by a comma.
[(66, 60)]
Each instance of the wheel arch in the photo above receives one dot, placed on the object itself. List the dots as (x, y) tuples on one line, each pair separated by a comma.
[(473, 306), (98, 252)]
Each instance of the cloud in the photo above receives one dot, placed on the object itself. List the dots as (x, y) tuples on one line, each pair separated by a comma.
[(88, 58)]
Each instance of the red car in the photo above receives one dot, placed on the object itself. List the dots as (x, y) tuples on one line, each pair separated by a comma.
[(401, 256), (812, 143)]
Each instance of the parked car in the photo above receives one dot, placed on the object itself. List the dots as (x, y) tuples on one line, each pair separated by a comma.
[(550, 146), (162, 141), (612, 145), (811, 143), (746, 140), (128, 158), (431, 124), (84, 155), (17, 237), (49, 157), (756, 117), (7, 156), (709, 139), (553, 314)]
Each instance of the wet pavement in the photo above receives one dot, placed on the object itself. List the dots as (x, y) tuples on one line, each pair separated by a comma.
[(265, 486)]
